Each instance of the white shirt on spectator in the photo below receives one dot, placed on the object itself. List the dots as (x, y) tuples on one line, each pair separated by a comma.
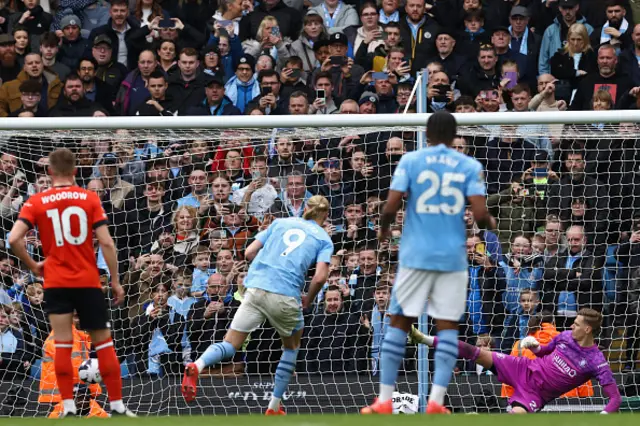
[(261, 199)]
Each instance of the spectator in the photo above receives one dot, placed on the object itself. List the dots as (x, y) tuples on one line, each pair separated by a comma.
[(30, 95), (12, 348), (158, 103), (148, 271), (199, 195), (337, 15), (33, 19), (523, 40), (417, 31), (166, 54), (257, 197), (285, 162), (606, 79), (368, 103), (332, 337), (10, 67), (313, 31), (298, 103), (95, 89), (49, 43), (118, 191), (10, 100), (73, 102), (324, 86), (22, 45), (553, 39), (571, 280), (270, 41), (353, 231), (520, 270), (368, 37), (289, 19), (73, 46), (331, 185), (109, 69), (501, 40), (134, 89), (345, 74), (507, 158), (378, 323), (229, 11), (156, 345), (216, 102), (513, 209), (269, 101), (150, 216), (485, 312), (146, 11), (452, 63), (629, 54), (474, 34), (440, 94), (123, 31), (185, 237), (210, 317), (615, 30), (243, 87), (292, 200), (546, 100), (482, 74), (292, 79)]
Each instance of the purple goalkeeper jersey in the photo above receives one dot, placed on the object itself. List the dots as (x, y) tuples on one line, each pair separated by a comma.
[(563, 365)]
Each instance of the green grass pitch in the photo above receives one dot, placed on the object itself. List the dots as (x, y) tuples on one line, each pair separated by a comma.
[(591, 419)]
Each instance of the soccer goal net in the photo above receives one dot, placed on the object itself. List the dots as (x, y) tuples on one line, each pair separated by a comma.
[(185, 198)]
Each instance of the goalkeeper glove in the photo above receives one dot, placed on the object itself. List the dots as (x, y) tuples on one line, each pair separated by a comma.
[(530, 342)]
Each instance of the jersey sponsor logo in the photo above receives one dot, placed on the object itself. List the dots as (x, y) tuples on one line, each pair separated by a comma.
[(583, 362), (66, 195), (563, 366)]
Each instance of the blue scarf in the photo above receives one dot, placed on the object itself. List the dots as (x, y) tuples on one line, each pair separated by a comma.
[(523, 43), (329, 21), (395, 17), (379, 324), (241, 93), (473, 35)]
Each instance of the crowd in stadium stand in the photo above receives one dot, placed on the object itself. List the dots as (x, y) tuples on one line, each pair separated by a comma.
[(183, 211)]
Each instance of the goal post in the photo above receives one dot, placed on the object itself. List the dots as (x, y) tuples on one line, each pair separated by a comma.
[(350, 159)]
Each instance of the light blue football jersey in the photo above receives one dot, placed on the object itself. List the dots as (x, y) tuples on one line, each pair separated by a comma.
[(438, 181), (290, 247)]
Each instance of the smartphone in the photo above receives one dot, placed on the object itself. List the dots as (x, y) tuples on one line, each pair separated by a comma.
[(540, 172), (395, 241), (320, 94), (256, 175), (275, 31), (513, 79), (166, 23), (384, 35), (380, 76), (296, 73), (337, 60), (266, 90), (481, 248), (225, 24)]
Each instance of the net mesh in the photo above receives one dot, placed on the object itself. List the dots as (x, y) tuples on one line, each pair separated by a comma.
[(182, 206)]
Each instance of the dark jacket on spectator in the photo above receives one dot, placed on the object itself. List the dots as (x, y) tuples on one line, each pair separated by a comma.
[(132, 94), (331, 343), (629, 63), (37, 26), (147, 110), (423, 46), (506, 161), (226, 107), (474, 78), (112, 74), (133, 37), (104, 95), (289, 21), (583, 278), (186, 94), (72, 51), (65, 108), (453, 64), (562, 67), (616, 85), (205, 331), (143, 226)]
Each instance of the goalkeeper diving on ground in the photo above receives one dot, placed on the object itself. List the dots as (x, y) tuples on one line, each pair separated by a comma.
[(569, 360), (281, 256)]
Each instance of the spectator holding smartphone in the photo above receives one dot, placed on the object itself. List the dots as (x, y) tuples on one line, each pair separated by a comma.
[(268, 40), (324, 102)]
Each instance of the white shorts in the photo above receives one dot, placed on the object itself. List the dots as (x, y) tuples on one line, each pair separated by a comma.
[(446, 293), (283, 312)]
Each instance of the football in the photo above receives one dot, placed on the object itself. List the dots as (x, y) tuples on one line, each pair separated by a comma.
[(89, 371)]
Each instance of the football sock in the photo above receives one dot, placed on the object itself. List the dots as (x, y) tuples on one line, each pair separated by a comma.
[(64, 369), (110, 369), (392, 354), (285, 369), (214, 354), (465, 350), (445, 361)]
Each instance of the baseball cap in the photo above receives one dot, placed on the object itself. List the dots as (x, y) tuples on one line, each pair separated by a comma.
[(102, 38), (368, 97), (567, 3), (500, 28), (541, 157), (447, 31), (69, 20), (7, 39), (211, 79), (109, 159), (338, 38), (520, 11), (246, 59)]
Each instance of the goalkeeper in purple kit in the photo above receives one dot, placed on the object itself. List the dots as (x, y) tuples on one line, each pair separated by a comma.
[(569, 360)]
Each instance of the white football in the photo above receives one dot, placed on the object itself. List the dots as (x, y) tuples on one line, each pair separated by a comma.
[(89, 371)]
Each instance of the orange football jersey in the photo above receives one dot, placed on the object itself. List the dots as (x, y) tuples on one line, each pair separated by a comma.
[(65, 218)]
